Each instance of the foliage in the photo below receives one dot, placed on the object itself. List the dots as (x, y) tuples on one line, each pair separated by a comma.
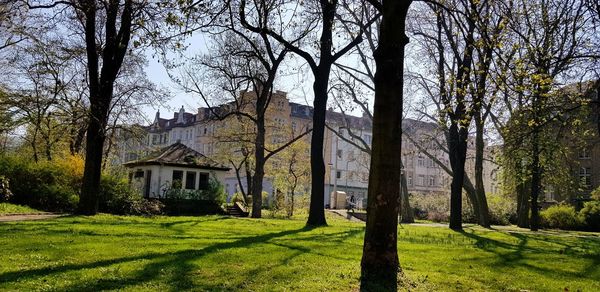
[(198, 253), (214, 193), (503, 210), (5, 193), (117, 197), (590, 215), (47, 185), (595, 195), (55, 185), (430, 207), (561, 216), (8, 208)]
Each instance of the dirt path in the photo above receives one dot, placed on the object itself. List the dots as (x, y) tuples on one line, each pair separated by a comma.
[(28, 217)]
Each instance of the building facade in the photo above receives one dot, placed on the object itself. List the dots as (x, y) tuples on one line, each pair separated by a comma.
[(346, 138)]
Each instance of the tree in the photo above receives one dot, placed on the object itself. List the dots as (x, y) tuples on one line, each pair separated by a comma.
[(244, 58), (352, 83), (379, 264), (320, 65), (106, 27), (550, 39)]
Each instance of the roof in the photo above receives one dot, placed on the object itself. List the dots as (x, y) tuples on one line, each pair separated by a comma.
[(178, 155)]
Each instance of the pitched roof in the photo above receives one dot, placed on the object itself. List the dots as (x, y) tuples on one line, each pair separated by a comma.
[(178, 155)]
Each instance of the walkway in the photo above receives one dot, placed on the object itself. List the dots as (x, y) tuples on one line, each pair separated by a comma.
[(28, 217)]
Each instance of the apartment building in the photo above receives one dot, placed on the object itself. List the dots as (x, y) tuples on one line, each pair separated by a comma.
[(347, 164)]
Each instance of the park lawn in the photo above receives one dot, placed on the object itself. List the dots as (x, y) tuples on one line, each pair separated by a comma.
[(232, 254), (8, 209)]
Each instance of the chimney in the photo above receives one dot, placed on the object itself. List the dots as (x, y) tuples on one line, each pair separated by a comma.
[(180, 116)]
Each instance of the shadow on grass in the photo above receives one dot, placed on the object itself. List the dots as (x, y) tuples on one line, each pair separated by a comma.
[(179, 261), (518, 255)]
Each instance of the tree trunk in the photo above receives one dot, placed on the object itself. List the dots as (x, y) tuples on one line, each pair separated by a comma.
[(457, 142), (536, 177), (406, 212), (88, 200), (380, 265), (316, 215), (484, 212), (522, 201), (259, 165), (101, 88)]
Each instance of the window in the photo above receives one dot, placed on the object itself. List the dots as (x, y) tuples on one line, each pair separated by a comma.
[(431, 180), (338, 174), (190, 180), (177, 178), (584, 154), (585, 176), (409, 180), (139, 174), (420, 161), (430, 163), (339, 153), (421, 180), (203, 185)]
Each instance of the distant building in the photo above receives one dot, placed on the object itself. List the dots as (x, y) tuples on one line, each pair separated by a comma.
[(175, 166), (347, 167)]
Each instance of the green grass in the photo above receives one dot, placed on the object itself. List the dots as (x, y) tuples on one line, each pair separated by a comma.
[(7, 209), (221, 253)]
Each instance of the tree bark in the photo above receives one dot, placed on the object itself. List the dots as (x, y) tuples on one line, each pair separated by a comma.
[(101, 86), (536, 177), (406, 212), (380, 265), (484, 212), (259, 160), (316, 215), (457, 142)]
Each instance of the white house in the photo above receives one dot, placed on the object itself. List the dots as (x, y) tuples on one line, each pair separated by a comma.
[(175, 166)]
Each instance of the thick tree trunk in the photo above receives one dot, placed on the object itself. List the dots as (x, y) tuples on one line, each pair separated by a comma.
[(457, 142), (88, 200), (101, 87), (484, 212), (380, 265), (316, 216)]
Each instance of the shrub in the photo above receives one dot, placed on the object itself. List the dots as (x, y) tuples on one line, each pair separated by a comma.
[(430, 207), (214, 193), (5, 193), (47, 185), (561, 216), (595, 195), (503, 210), (590, 215), (117, 197)]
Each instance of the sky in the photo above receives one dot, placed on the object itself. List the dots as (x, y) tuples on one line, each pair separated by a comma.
[(298, 86)]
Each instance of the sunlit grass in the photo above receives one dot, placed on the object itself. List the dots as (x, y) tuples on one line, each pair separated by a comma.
[(222, 253), (7, 209)]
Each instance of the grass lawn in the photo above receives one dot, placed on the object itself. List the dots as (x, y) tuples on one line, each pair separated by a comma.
[(7, 209), (222, 253)]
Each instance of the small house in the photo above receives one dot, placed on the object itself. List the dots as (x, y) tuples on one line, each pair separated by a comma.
[(175, 166)]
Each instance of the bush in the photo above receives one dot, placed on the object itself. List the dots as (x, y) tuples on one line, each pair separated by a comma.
[(590, 215), (503, 210), (561, 216), (5, 193), (47, 185), (214, 193), (430, 207), (117, 197)]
